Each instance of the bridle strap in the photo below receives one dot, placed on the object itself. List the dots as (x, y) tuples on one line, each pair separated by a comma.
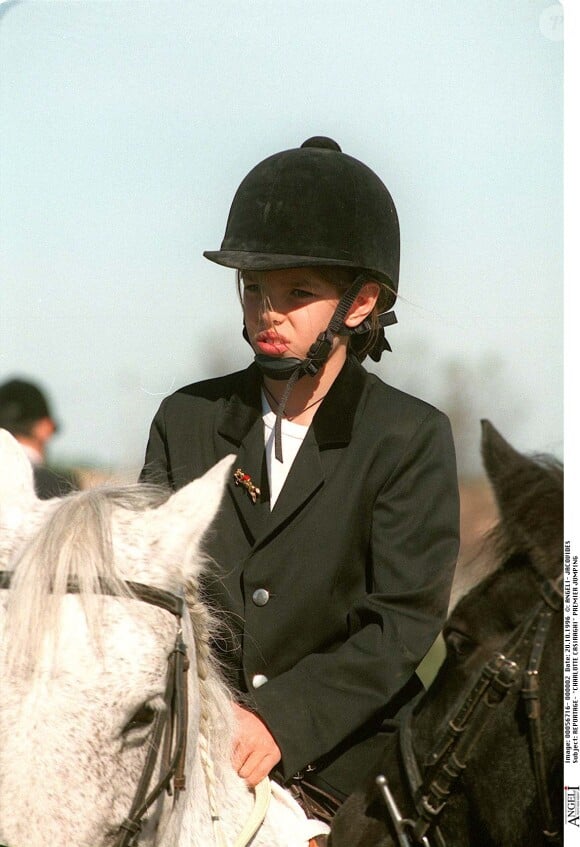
[(413, 774), (179, 776), (109, 588), (450, 757), (457, 725), (174, 697), (552, 595), (131, 826), (531, 696), (449, 760), (137, 590), (497, 678)]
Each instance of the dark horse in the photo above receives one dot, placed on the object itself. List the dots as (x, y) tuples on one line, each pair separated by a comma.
[(478, 761)]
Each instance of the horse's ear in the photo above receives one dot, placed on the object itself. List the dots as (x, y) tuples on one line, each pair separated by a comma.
[(500, 459), (16, 477), (529, 496), (181, 522)]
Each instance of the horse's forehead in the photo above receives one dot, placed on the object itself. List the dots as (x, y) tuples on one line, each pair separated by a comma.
[(142, 549), (124, 648), (128, 526), (140, 529), (132, 531), (134, 633)]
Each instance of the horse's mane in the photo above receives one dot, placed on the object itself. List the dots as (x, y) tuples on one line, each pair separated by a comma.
[(74, 542), (216, 717)]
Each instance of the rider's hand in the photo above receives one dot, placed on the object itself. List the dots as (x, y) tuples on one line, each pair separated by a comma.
[(255, 751)]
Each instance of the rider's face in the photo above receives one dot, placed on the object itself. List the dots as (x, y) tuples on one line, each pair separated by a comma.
[(285, 310)]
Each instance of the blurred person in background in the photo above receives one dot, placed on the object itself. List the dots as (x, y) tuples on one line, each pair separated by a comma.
[(25, 413)]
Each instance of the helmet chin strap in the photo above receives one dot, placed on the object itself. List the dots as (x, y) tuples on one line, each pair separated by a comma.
[(292, 369)]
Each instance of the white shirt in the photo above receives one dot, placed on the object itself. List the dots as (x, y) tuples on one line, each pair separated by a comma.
[(292, 437)]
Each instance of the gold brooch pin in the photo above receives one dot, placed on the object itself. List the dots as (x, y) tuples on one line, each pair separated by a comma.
[(245, 480)]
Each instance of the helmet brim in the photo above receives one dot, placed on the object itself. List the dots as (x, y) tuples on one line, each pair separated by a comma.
[(242, 260), (249, 261)]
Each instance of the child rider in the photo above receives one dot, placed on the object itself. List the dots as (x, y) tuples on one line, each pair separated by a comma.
[(334, 551)]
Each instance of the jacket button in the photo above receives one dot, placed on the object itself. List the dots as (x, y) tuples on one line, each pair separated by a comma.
[(260, 596), (259, 679)]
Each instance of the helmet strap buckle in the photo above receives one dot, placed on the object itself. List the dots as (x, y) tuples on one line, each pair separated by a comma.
[(318, 353)]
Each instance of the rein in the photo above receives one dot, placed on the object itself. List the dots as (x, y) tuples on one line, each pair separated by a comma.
[(450, 756)]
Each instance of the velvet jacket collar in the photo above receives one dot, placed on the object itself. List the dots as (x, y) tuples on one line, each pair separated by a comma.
[(332, 424)]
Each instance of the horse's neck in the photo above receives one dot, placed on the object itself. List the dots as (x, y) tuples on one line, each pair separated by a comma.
[(218, 792), (284, 825), (191, 824), (214, 789)]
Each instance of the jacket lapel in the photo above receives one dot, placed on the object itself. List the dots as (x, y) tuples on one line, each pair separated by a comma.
[(305, 478), (251, 461), (331, 427), (242, 426)]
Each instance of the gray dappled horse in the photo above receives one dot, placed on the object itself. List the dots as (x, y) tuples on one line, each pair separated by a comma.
[(99, 713)]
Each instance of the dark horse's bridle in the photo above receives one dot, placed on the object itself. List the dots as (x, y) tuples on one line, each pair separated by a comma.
[(169, 725), (432, 789)]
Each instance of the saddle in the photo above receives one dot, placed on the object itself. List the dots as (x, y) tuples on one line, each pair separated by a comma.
[(316, 803)]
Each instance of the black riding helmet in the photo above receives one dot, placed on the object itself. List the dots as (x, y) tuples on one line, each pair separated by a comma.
[(315, 206), (310, 206)]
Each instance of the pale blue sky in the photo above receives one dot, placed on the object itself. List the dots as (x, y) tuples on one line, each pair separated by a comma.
[(125, 128)]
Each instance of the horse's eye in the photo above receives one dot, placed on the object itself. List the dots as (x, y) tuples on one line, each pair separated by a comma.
[(458, 643), (141, 719)]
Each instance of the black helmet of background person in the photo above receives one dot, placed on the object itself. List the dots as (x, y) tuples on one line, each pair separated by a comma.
[(22, 404)]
